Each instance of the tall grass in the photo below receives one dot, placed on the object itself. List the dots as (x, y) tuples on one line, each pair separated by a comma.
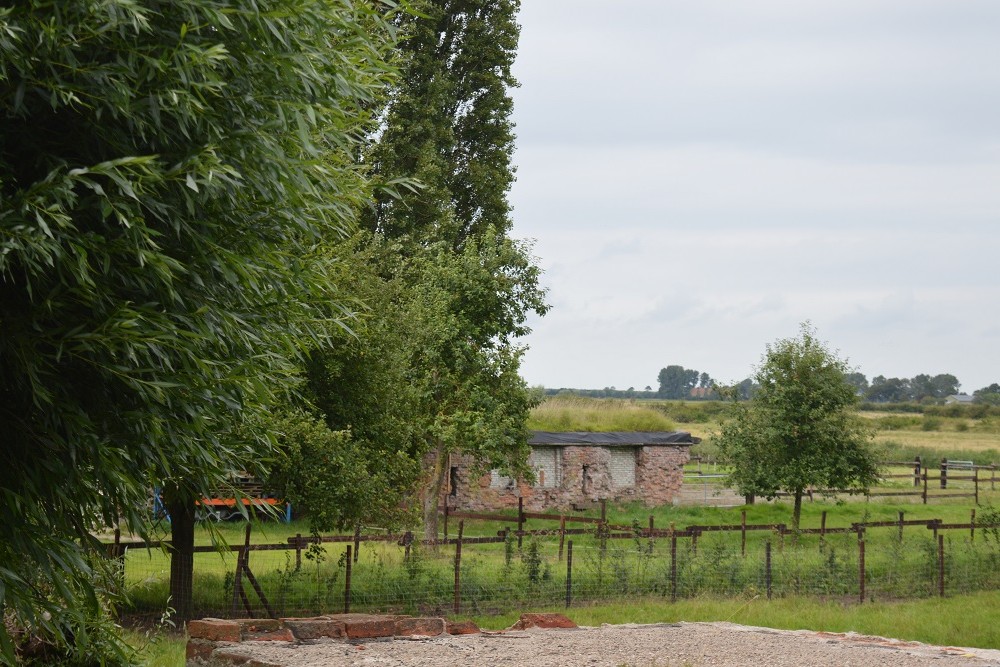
[(963, 620), (575, 413)]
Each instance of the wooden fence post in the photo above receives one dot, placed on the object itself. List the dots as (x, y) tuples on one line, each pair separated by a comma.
[(458, 567), (822, 527), (520, 521), (972, 526), (446, 518), (916, 471), (357, 542), (347, 581), (767, 568), (975, 481), (562, 535), (941, 565), (861, 571), (944, 473), (569, 573), (298, 551), (900, 527), (743, 533), (925, 486), (673, 567)]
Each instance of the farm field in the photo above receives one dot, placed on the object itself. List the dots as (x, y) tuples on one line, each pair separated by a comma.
[(813, 581)]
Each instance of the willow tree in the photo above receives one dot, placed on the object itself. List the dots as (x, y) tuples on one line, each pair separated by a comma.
[(800, 429), (167, 170)]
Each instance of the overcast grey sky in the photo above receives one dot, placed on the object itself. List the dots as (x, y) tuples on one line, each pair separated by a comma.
[(701, 177)]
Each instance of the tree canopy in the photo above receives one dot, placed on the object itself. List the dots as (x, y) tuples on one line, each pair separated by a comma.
[(465, 283), (167, 173), (799, 430)]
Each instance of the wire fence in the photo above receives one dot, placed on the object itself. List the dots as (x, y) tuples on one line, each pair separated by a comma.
[(519, 568)]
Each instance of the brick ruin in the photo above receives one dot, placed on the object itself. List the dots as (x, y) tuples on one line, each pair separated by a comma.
[(578, 469), (215, 642)]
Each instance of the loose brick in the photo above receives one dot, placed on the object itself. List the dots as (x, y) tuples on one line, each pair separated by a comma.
[(542, 621), (428, 627), (366, 626), (462, 628), (214, 629), (315, 628)]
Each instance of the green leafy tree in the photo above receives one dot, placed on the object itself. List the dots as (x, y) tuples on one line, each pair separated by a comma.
[(799, 430), (167, 171), (677, 382), (889, 390), (464, 283)]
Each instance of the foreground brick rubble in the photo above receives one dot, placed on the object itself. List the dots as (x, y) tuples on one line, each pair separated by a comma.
[(212, 642)]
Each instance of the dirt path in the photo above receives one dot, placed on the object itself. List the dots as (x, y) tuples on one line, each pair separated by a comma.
[(659, 645)]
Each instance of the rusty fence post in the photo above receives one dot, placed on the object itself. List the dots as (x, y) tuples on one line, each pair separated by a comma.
[(458, 567), (767, 568), (569, 573)]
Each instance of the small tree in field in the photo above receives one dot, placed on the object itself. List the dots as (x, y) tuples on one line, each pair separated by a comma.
[(799, 430)]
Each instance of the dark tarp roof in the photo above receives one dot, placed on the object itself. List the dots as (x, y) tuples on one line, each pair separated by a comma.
[(620, 438)]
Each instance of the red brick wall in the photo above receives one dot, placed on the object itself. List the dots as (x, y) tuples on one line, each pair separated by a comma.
[(658, 478)]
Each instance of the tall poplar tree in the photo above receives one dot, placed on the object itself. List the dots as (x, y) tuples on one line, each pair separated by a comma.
[(448, 126), (449, 123)]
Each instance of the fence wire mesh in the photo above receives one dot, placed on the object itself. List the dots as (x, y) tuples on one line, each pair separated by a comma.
[(549, 569)]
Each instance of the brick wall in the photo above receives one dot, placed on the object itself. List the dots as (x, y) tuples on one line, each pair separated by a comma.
[(651, 474)]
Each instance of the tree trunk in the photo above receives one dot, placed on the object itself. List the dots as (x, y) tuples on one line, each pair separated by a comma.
[(181, 509), (797, 511), (432, 493)]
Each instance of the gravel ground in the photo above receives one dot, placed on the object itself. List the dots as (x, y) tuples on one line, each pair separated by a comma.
[(660, 645)]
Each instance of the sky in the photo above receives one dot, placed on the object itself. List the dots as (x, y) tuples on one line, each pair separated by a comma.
[(699, 178)]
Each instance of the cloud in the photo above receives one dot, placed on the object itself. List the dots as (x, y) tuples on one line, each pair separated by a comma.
[(701, 177)]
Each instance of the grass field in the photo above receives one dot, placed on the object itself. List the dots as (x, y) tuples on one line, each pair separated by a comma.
[(962, 619)]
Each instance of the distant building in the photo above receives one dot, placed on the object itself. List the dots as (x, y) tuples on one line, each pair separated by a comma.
[(959, 398), (578, 469)]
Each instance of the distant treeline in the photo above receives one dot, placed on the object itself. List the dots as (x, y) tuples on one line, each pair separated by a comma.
[(678, 383)]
